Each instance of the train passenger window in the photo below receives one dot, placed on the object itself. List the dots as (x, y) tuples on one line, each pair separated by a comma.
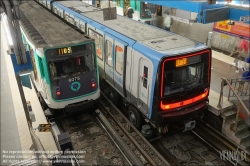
[(82, 27), (118, 3), (55, 10), (40, 62), (119, 54), (98, 41), (70, 19), (109, 53)]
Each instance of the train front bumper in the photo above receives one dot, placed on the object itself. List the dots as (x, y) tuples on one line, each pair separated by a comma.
[(186, 113), (80, 106)]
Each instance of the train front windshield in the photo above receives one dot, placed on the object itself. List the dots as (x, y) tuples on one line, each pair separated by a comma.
[(72, 66), (71, 61), (185, 77)]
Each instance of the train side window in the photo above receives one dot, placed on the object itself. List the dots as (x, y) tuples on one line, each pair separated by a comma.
[(70, 19), (82, 27), (98, 41), (40, 61), (118, 3), (145, 77), (119, 54), (109, 53), (55, 10)]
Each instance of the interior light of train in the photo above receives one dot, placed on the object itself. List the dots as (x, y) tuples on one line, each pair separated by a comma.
[(64, 51), (181, 62), (185, 102)]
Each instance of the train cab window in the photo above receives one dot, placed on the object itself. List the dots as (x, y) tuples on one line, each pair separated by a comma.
[(72, 66), (109, 53), (99, 42), (183, 78), (119, 54)]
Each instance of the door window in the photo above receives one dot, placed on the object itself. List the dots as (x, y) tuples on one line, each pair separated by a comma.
[(145, 77), (119, 54), (98, 41), (109, 53)]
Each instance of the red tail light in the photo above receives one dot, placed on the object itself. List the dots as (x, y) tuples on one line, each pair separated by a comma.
[(58, 91), (185, 102), (93, 84)]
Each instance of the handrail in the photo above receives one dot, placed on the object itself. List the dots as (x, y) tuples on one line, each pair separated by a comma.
[(240, 103), (241, 82)]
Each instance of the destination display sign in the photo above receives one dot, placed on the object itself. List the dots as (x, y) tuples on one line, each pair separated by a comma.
[(64, 51)]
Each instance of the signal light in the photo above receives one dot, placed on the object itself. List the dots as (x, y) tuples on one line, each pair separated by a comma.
[(93, 85)]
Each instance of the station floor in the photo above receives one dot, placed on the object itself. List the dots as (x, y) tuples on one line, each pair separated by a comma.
[(15, 134)]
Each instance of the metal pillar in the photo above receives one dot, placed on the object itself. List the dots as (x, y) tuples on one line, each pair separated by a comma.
[(209, 39), (12, 30), (18, 31)]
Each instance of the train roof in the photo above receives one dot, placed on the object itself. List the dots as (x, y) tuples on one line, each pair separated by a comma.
[(151, 36), (79, 6), (45, 30)]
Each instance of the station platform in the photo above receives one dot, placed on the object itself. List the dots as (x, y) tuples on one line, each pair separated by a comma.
[(15, 135)]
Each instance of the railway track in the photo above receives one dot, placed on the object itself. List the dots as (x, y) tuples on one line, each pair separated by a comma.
[(137, 143), (108, 138), (89, 134), (188, 149)]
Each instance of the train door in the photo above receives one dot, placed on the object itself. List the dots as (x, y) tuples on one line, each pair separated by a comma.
[(119, 52), (109, 56), (143, 84), (98, 36), (33, 61)]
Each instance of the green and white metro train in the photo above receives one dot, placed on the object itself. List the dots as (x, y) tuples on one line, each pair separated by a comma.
[(64, 60)]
